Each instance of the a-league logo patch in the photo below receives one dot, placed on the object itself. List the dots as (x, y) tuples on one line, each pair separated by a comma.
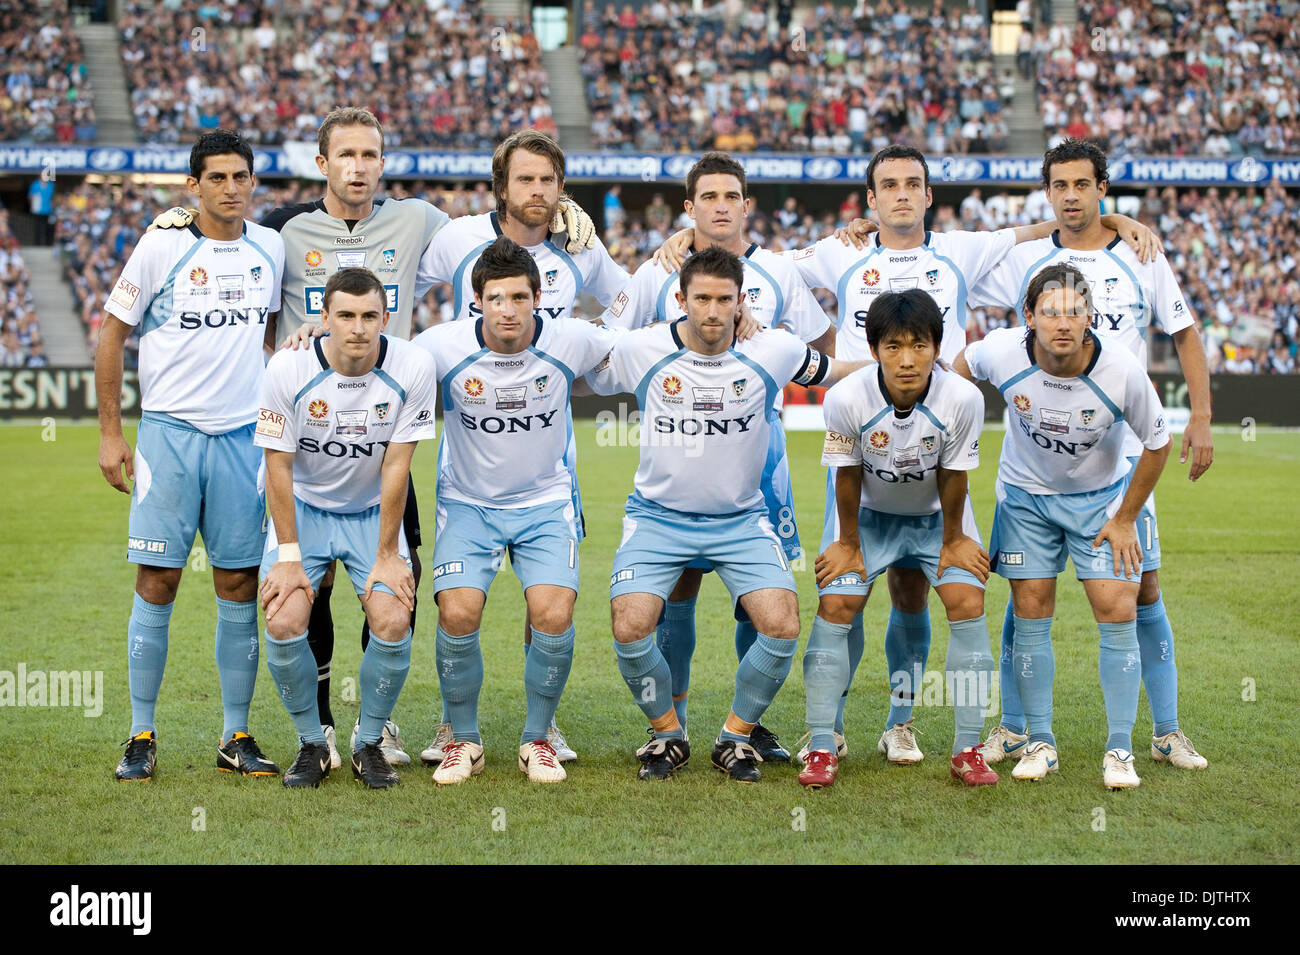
[(672, 385), (1022, 403), (871, 277), (879, 439), (474, 387), (312, 258), (198, 276), (738, 386), (319, 408)]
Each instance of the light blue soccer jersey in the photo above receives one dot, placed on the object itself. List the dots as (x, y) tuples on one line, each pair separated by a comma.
[(452, 253)]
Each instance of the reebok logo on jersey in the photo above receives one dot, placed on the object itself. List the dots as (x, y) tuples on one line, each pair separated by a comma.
[(514, 363), (350, 385), (902, 258), (837, 443), (225, 248), (349, 240), (125, 294), (270, 423), (1058, 385)]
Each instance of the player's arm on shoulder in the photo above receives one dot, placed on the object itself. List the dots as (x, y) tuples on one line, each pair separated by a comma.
[(836, 369), (286, 575), (177, 217), (572, 219), (1146, 245), (673, 252), (389, 567), (114, 453)]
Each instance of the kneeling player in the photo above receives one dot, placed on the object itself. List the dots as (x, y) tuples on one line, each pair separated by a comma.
[(698, 496), (507, 484), (1065, 489), (339, 422), (901, 436)]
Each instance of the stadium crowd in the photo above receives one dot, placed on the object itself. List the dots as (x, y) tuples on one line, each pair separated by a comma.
[(1234, 253), (847, 80), (1180, 77), (437, 74), (46, 96), (20, 335)]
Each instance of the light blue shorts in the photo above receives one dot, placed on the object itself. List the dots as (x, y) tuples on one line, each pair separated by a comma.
[(471, 542), (186, 482), (659, 542), (1148, 533), (901, 540), (1034, 533), (327, 536)]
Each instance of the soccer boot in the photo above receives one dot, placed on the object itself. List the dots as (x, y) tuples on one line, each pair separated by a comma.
[(898, 743), (1177, 749), (541, 762), (841, 746), (460, 760), (969, 766), (819, 769), (563, 751), (370, 765), (1003, 742), (390, 741), (662, 756), (1038, 760), (767, 745), (738, 760), (240, 754), (432, 754), (310, 766), (332, 741), (140, 757), (1117, 770)]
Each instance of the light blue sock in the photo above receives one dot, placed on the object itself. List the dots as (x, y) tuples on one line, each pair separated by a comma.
[(146, 656), (384, 666), (825, 672), (746, 634), (758, 678), (1013, 714), (460, 678), (1159, 674), (1120, 668), (236, 661), (675, 638), (646, 673), (856, 645), (1035, 668), (968, 673), (293, 668), (545, 674), (907, 648)]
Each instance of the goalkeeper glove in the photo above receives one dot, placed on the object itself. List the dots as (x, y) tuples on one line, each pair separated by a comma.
[(573, 220), (173, 218)]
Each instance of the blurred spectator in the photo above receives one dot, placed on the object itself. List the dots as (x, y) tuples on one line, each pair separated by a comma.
[(46, 97), (19, 332)]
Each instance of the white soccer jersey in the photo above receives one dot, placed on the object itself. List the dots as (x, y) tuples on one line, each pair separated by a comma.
[(1066, 434), (946, 264), (705, 419), (901, 454), (202, 307), (507, 428), (338, 427), (773, 290), (451, 255)]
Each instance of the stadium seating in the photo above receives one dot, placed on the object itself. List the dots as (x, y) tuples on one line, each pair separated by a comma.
[(20, 336), (45, 96), (1182, 78), (438, 74), (663, 77)]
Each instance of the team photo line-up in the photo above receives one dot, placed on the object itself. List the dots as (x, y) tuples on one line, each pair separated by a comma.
[(292, 465)]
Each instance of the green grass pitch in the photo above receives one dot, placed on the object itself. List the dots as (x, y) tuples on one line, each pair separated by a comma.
[(1230, 580)]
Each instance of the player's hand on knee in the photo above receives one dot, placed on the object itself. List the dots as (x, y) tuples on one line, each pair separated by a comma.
[(303, 337), (177, 217), (672, 253), (572, 219), (114, 455), (856, 233), (967, 554), (836, 561), (281, 581), (394, 573), (1125, 550)]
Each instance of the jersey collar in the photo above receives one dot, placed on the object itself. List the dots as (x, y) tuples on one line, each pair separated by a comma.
[(1056, 241), (193, 228), (352, 223), (325, 365), (482, 343), (496, 225), (753, 247), (880, 380)]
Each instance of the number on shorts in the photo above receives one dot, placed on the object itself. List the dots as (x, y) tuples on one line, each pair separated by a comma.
[(780, 557), (785, 528), (1150, 526), (573, 553)]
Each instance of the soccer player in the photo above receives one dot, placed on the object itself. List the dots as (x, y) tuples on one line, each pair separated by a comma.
[(1128, 295), (901, 255), (528, 183), (201, 298), (718, 200), (507, 485), (1066, 488), (900, 437), (339, 423), (709, 406)]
